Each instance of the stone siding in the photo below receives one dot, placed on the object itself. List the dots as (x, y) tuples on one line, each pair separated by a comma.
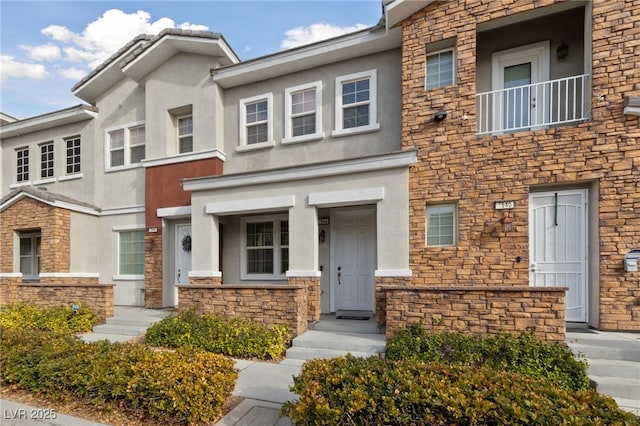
[(153, 269), (478, 309), (268, 304), (457, 166), (96, 296), (313, 295)]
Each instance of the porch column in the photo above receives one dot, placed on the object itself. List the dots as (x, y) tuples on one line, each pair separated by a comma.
[(205, 264)]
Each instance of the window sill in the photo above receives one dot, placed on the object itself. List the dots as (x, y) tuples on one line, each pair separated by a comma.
[(70, 177), (44, 181), (302, 139), (123, 168), (256, 146), (355, 130), (128, 277), (263, 277)]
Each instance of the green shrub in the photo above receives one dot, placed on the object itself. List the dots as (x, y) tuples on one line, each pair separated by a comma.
[(182, 386), (522, 353), (185, 386), (376, 391), (236, 337), (59, 319)]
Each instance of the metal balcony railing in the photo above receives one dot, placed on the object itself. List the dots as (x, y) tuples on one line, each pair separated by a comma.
[(534, 106)]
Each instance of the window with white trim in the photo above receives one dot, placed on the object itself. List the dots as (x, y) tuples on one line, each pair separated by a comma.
[(356, 105), (73, 155), (440, 69), (131, 252), (441, 225), (46, 160), (303, 113), (125, 146), (265, 247), (256, 122), (22, 164), (30, 243), (185, 134)]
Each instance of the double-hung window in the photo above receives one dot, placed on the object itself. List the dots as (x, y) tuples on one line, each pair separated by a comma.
[(125, 146), (440, 69), (356, 104), (73, 155), (441, 225), (185, 134), (22, 164), (131, 252), (265, 247), (30, 255), (256, 122), (46, 160), (303, 110)]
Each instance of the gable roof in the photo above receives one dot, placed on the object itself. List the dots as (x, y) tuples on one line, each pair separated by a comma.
[(74, 114), (145, 53), (46, 197)]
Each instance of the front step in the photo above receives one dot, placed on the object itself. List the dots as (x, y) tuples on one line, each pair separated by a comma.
[(126, 324), (328, 344)]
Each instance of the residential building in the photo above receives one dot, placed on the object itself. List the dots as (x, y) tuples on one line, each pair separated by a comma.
[(473, 165)]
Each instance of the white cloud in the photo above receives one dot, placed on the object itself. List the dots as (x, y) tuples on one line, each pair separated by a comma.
[(9, 67), (58, 33), (44, 52), (72, 73), (300, 36)]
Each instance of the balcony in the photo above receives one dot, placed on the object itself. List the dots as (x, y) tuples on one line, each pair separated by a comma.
[(534, 106)]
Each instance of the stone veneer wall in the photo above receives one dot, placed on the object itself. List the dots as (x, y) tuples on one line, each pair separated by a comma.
[(153, 269), (478, 309), (275, 304), (313, 295), (97, 296), (455, 165)]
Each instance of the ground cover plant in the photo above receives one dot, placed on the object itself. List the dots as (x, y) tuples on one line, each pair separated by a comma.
[(235, 337), (453, 379), (186, 386), (59, 319)]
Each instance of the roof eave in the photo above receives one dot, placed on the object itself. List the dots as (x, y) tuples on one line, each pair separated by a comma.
[(71, 115), (395, 11)]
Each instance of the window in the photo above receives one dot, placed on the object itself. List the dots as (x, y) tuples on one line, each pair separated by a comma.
[(73, 155), (30, 255), (185, 134), (441, 228), (303, 108), (265, 247), (256, 122), (126, 146), (131, 255), (22, 164), (46, 160), (356, 103), (440, 69)]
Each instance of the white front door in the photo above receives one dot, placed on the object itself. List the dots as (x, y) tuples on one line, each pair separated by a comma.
[(558, 246), (354, 260), (183, 257)]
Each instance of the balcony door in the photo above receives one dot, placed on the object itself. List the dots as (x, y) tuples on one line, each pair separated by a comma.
[(515, 73)]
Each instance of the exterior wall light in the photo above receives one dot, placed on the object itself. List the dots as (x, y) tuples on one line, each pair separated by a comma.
[(440, 115), (562, 51), (507, 223)]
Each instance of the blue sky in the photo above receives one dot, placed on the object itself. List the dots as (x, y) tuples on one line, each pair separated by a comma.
[(47, 46)]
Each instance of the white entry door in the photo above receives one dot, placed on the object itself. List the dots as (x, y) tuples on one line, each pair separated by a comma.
[(558, 246), (183, 257), (353, 260)]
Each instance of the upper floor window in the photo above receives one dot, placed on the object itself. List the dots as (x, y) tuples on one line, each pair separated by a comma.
[(303, 109), (441, 225), (126, 145), (356, 109), (265, 243), (73, 155), (22, 164), (256, 122), (440, 69), (185, 134), (46, 160)]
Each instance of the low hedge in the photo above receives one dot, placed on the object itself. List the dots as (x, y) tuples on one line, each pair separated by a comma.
[(59, 319), (235, 337), (184, 386), (376, 391), (522, 353)]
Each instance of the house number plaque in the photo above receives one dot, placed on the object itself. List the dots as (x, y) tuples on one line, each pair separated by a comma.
[(505, 204)]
